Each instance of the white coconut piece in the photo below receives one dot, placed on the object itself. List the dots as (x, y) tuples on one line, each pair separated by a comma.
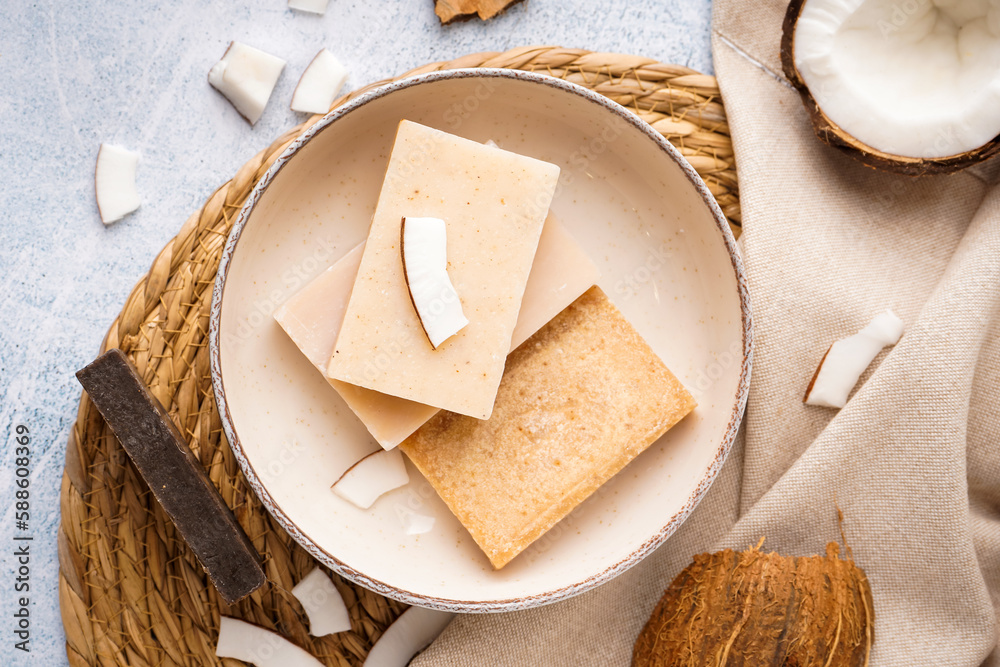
[(324, 606), (319, 84), (311, 6), (848, 358), (246, 77), (914, 79), (251, 643), (114, 182), (415, 523), (411, 633), (371, 477), (423, 245)]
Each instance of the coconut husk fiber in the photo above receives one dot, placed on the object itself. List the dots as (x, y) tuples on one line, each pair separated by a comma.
[(758, 609)]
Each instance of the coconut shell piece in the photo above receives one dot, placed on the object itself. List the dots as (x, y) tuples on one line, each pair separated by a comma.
[(759, 609), (833, 135), (450, 10)]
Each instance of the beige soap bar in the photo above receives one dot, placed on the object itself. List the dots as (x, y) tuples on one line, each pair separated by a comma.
[(493, 203), (561, 272), (578, 401)]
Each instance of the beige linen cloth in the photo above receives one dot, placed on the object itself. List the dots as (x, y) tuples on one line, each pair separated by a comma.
[(913, 460)]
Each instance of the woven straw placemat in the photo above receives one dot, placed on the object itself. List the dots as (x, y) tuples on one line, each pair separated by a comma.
[(131, 592)]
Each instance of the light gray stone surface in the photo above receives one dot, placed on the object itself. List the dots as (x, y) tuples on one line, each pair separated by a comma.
[(75, 74)]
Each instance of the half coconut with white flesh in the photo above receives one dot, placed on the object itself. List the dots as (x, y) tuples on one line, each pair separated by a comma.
[(911, 87), (423, 245)]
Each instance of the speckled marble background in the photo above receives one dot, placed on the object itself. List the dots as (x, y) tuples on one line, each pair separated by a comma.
[(75, 74)]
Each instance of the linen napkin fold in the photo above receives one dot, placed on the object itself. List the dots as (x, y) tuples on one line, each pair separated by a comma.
[(913, 460)]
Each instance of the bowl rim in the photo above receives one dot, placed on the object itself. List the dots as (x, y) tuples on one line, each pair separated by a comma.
[(516, 603)]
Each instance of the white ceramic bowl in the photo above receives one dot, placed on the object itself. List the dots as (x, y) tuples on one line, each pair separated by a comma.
[(668, 261)]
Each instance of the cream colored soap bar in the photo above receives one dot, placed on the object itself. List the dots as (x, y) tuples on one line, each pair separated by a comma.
[(493, 203), (561, 272)]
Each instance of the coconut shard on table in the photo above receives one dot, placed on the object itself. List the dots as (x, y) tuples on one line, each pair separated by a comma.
[(908, 87), (452, 10), (756, 608)]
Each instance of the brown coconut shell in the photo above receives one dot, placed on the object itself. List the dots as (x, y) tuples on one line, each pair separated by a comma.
[(452, 10), (833, 135), (761, 609)]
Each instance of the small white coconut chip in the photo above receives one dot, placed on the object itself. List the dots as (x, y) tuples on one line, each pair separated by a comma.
[(423, 245), (371, 477), (114, 182), (848, 358), (311, 6), (324, 606), (251, 643), (408, 635), (319, 85), (246, 77), (415, 523)]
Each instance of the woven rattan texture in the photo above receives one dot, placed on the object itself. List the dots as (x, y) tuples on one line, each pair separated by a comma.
[(130, 591)]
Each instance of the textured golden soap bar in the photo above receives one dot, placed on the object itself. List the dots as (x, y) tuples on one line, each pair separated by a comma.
[(578, 401), (174, 475)]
